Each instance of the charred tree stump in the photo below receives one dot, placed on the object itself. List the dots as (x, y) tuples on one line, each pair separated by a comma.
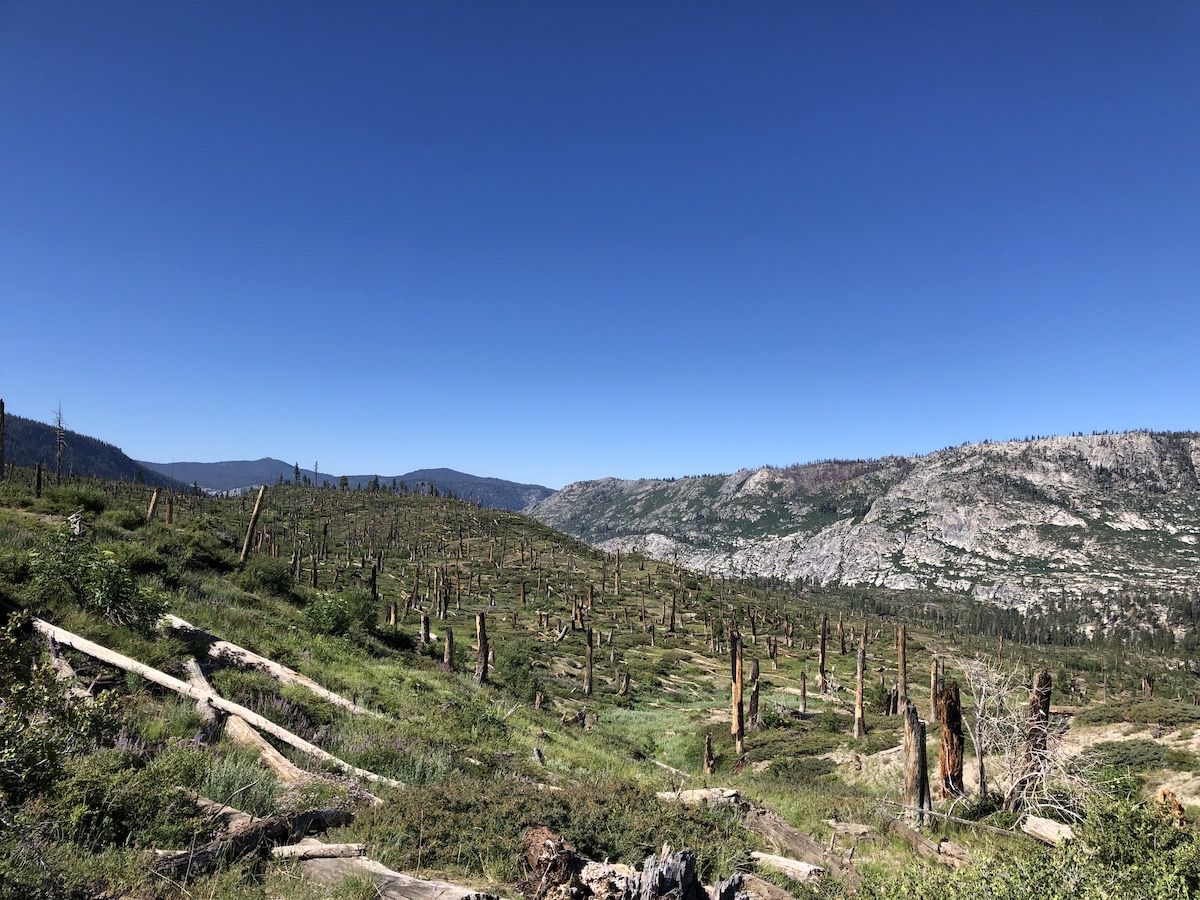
[(860, 718), (737, 721), (822, 674), (708, 764), (448, 650), (1037, 734), (481, 663), (916, 772), (588, 646), (950, 759)]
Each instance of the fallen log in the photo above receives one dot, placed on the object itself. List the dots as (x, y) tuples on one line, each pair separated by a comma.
[(210, 719), (945, 851), (65, 673), (387, 884), (319, 850), (1047, 830), (246, 839), (120, 661), (703, 797), (793, 868), (796, 843), (227, 652), (748, 886)]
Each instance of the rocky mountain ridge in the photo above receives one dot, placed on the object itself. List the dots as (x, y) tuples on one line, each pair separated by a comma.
[(1008, 522)]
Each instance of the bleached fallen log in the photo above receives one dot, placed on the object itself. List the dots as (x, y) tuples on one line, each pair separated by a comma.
[(247, 839), (1047, 830), (319, 850), (703, 797), (234, 818), (227, 652), (289, 774), (783, 836), (747, 884), (795, 869), (945, 851), (210, 718), (120, 661), (852, 829), (388, 884)]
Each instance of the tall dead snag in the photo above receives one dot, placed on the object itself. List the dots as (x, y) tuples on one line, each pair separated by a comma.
[(424, 634), (481, 663), (2, 465), (588, 646), (170, 509), (950, 759), (860, 718), (755, 719), (737, 721), (822, 675), (37, 481), (841, 636), (153, 506), (916, 773), (933, 690), (803, 692), (1147, 686), (448, 650), (709, 764), (253, 522), (1037, 738), (902, 665)]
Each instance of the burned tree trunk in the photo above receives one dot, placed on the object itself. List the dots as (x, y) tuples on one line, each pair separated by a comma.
[(916, 773), (860, 719), (253, 522), (755, 719), (1037, 735), (709, 764), (822, 675), (803, 692), (950, 759), (588, 647), (3, 470), (481, 664), (902, 666), (153, 506), (448, 650), (737, 721)]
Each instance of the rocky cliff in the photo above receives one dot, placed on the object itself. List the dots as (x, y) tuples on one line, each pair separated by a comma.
[(1007, 522)]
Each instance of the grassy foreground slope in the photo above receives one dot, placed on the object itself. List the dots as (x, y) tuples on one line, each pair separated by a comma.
[(87, 792)]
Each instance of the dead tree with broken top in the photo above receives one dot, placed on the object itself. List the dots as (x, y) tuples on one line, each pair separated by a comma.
[(737, 721), (950, 757), (916, 772), (822, 674)]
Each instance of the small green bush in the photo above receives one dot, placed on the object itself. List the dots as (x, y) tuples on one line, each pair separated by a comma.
[(340, 613)]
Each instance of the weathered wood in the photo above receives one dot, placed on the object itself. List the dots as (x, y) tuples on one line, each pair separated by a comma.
[(153, 506), (224, 651), (783, 836), (1047, 830), (288, 773), (916, 773), (954, 856), (246, 839), (950, 756), (860, 718), (386, 883), (1037, 734), (708, 763), (210, 718), (822, 674), (319, 850), (902, 666), (253, 522), (795, 869), (120, 661), (481, 662), (737, 721)]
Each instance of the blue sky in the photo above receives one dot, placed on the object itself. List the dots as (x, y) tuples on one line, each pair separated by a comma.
[(553, 241)]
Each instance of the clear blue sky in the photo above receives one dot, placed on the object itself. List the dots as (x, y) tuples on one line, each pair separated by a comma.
[(561, 240)]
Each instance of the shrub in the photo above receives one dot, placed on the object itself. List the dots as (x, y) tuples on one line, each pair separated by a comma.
[(267, 574), (71, 567), (72, 497), (339, 613), (41, 725)]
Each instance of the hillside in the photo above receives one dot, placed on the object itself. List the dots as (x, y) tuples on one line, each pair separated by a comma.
[(604, 678), (237, 475), (1010, 522), (28, 442)]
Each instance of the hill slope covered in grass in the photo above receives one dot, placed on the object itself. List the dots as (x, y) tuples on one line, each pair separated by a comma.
[(481, 763)]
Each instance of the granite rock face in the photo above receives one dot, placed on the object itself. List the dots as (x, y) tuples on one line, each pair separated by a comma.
[(1007, 522)]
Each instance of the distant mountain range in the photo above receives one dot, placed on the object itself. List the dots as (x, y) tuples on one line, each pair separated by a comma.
[(1013, 522), (236, 475), (28, 442)]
